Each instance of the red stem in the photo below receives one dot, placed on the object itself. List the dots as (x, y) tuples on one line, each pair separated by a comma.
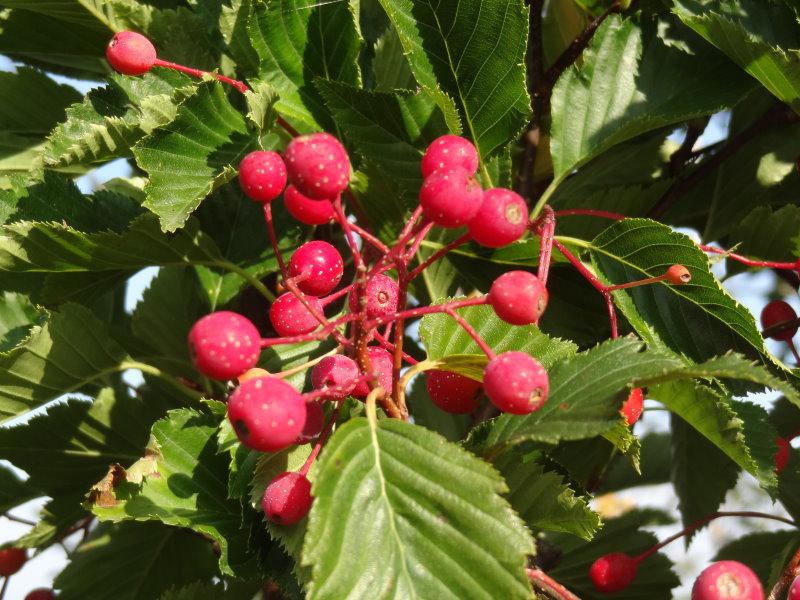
[(239, 85), (291, 285), (632, 284), (589, 212), (418, 239), (787, 266), (426, 310), (273, 239), (542, 582), (370, 238), (381, 339), (547, 232), (459, 241), (307, 337), (793, 348), (318, 446)]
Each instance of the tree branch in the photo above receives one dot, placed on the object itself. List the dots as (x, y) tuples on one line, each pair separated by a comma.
[(791, 571)]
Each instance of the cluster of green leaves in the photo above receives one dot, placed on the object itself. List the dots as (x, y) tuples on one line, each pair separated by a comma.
[(437, 508)]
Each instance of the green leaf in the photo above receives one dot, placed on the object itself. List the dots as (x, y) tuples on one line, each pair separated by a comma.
[(14, 491), (474, 52), (427, 519), (188, 488), (442, 337), (112, 119), (298, 41), (624, 534), (631, 82), (428, 415), (73, 445), (769, 235), (543, 498), (72, 349), (758, 551), (701, 485), (390, 64), (698, 320), (761, 37), (193, 155), (56, 518), (134, 560), (17, 317), (234, 590), (655, 464), (390, 129)]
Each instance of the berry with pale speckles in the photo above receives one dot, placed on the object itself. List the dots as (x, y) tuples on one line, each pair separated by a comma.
[(382, 292), (41, 594), (450, 197), (315, 422), (450, 151), (130, 53), (453, 392), (12, 560), (516, 383), (775, 313), (382, 365), (338, 374), (290, 317), (794, 590), (267, 414), (224, 345), (518, 297), (727, 580), (262, 175), (632, 407), (501, 219), (319, 265), (287, 498), (318, 165), (307, 210), (613, 572)]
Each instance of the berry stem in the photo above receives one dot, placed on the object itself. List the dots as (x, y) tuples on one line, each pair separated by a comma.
[(4, 588), (793, 348), (780, 327), (472, 333), (547, 231), (786, 266), (548, 586), (370, 238), (291, 285), (791, 571), (307, 337), (459, 241), (590, 212), (399, 332), (320, 442), (16, 519), (426, 310), (632, 284), (307, 365), (417, 242), (381, 339), (612, 315), (274, 239), (239, 85)]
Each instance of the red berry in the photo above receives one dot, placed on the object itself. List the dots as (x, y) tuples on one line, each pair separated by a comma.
[(290, 317), (727, 580), (453, 392), (782, 455), (318, 165), (518, 297), (678, 275), (315, 423), (794, 590), (501, 219), (322, 265), (305, 209), (41, 594), (267, 414), (382, 292), (516, 383), (382, 366), (613, 572), (224, 345), (632, 407), (262, 175), (131, 53), (777, 312), (287, 498), (450, 151), (338, 373), (450, 197), (11, 561)]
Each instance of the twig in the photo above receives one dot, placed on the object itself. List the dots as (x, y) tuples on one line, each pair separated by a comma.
[(546, 585), (681, 156), (11, 517), (791, 571)]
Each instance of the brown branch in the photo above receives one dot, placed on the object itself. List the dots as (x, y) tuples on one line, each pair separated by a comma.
[(681, 156), (791, 571), (781, 115), (549, 587)]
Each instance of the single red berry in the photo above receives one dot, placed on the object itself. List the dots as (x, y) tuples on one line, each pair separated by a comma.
[(267, 414), (290, 317), (287, 498), (794, 590), (775, 313), (130, 53), (318, 165), (613, 572), (518, 297), (307, 210), (382, 292), (678, 275), (450, 197), (501, 219), (337, 373), (782, 455), (632, 407), (41, 594), (450, 151), (516, 383), (320, 264), (262, 175), (12, 560), (315, 423), (224, 345), (453, 392), (382, 366), (727, 580)]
